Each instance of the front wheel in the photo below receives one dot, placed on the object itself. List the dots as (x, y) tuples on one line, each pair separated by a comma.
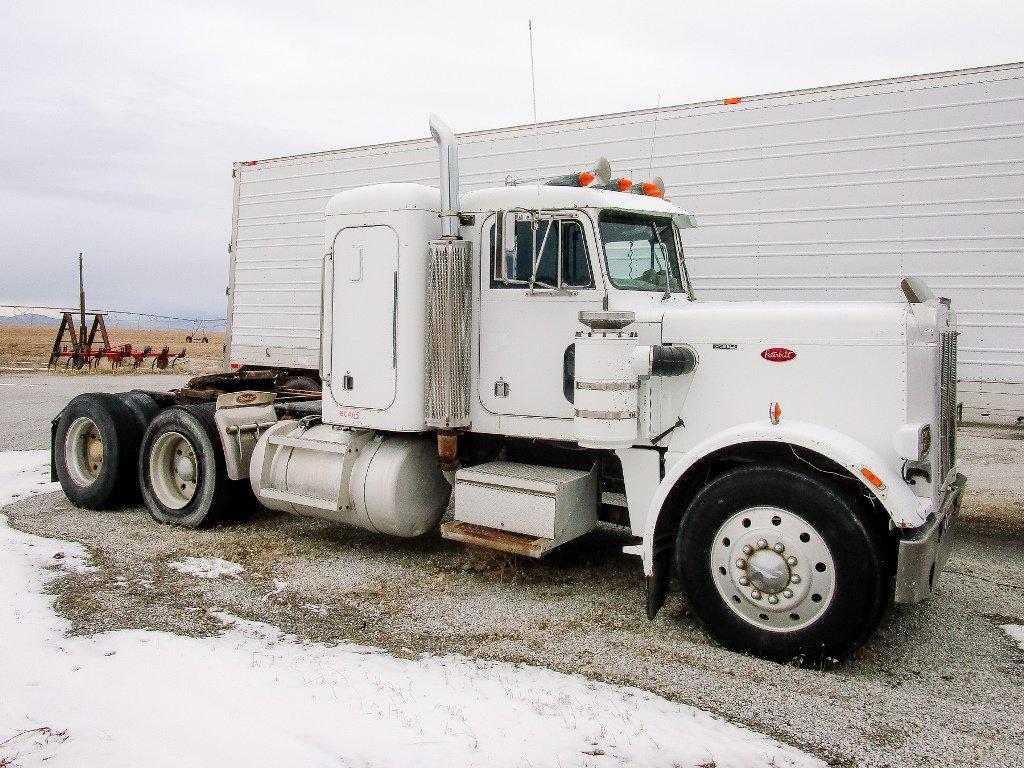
[(782, 564)]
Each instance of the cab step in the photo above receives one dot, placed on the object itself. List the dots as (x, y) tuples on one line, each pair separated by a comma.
[(522, 508), (492, 538)]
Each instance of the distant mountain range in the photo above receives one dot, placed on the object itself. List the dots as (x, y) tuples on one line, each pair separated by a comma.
[(113, 321), (29, 319)]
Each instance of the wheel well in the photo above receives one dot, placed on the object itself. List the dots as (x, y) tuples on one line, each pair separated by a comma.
[(762, 452)]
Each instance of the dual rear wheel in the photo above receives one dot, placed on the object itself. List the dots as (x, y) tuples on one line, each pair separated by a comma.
[(182, 472), (110, 449)]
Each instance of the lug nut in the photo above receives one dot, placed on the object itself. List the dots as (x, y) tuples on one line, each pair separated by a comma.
[(787, 593), (755, 595), (747, 549), (780, 547), (791, 560), (741, 563), (744, 581), (795, 578), (773, 599), (762, 544)]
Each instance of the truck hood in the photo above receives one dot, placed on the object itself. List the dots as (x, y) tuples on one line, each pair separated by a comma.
[(786, 322)]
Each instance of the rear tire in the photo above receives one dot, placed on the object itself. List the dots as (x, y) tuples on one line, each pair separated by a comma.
[(783, 564), (142, 406), (181, 469), (95, 450), (302, 382)]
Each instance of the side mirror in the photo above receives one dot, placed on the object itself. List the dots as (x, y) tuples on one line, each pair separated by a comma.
[(508, 234)]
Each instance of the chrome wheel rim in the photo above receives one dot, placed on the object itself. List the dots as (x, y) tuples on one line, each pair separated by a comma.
[(773, 568), (173, 469), (83, 451)]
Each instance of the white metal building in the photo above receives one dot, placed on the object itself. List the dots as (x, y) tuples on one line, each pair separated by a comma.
[(833, 192)]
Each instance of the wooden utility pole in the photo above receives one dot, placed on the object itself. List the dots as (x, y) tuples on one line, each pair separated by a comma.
[(81, 292)]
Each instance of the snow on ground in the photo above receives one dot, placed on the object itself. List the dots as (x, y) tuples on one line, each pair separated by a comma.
[(254, 696), (207, 567), (1016, 632)]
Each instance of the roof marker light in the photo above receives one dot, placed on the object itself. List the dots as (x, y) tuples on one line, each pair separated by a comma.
[(616, 185), (654, 188), (732, 100), (600, 170)]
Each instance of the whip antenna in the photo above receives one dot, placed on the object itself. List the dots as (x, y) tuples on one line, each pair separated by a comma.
[(533, 88), (654, 135)]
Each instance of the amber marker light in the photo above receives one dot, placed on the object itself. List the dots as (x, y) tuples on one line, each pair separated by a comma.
[(651, 190), (585, 178), (872, 478)]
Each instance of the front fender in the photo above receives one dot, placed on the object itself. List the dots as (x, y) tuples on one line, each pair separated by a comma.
[(906, 509)]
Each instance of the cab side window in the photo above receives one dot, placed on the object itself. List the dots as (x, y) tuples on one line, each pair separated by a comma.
[(563, 262)]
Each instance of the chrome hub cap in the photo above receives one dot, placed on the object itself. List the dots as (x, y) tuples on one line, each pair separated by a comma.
[(773, 568), (768, 571), (83, 451), (173, 469)]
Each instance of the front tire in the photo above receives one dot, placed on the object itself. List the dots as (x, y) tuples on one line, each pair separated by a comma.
[(783, 564), (182, 472)]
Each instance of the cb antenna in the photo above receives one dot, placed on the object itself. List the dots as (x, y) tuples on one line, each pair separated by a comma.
[(654, 136), (533, 88)]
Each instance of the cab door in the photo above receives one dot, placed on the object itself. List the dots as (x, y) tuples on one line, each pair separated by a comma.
[(529, 311)]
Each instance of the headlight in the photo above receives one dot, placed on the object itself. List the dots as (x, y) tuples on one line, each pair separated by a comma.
[(913, 441)]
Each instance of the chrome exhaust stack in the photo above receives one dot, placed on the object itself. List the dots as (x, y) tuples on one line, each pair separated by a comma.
[(448, 148)]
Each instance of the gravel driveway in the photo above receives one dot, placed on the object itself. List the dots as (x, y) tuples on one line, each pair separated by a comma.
[(940, 684)]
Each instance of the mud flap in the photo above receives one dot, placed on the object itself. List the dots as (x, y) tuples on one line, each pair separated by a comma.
[(53, 441), (658, 582)]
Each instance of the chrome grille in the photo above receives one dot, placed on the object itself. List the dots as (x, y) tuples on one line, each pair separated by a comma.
[(449, 314), (947, 405)]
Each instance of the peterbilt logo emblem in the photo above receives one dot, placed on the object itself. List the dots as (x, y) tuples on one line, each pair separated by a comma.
[(778, 355), (245, 398)]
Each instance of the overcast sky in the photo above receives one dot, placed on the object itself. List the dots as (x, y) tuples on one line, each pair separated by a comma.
[(119, 121)]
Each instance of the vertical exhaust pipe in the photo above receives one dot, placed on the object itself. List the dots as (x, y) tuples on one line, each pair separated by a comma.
[(449, 310), (448, 148)]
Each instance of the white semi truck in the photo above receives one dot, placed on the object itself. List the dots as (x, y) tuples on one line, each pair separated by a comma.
[(533, 357)]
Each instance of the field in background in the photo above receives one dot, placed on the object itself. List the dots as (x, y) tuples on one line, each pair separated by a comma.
[(29, 347)]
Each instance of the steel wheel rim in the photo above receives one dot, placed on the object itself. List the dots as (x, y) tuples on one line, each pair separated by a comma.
[(83, 451), (773, 569), (173, 469)]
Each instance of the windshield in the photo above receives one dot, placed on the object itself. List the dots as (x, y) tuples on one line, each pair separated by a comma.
[(640, 252)]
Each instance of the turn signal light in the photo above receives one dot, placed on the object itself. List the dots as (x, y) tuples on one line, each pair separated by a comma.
[(872, 478)]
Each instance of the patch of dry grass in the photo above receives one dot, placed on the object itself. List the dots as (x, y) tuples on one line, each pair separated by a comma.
[(29, 346)]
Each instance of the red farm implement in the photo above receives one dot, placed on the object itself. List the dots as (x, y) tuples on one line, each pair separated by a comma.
[(79, 349)]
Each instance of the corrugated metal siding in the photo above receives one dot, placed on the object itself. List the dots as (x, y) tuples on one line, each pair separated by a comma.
[(834, 192)]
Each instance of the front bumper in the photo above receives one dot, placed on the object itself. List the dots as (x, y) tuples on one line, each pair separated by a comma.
[(923, 553)]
